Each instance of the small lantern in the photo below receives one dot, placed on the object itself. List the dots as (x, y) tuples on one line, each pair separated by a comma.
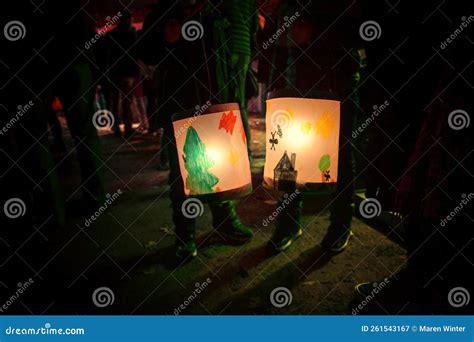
[(302, 140), (212, 150)]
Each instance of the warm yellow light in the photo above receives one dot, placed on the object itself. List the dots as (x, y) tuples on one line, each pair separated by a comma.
[(299, 134), (212, 151), (302, 140), (215, 154)]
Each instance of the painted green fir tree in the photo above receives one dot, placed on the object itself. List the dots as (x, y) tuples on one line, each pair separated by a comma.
[(199, 179)]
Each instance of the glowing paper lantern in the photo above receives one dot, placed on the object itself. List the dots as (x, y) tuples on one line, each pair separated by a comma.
[(212, 151), (302, 140)]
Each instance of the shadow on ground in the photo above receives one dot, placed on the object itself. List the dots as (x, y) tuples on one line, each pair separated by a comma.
[(129, 250)]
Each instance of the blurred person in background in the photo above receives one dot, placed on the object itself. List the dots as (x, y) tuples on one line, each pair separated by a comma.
[(54, 125), (139, 105), (152, 54), (76, 88), (124, 71), (45, 62)]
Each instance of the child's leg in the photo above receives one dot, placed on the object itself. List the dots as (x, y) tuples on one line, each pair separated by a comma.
[(339, 231), (226, 221), (288, 225), (184, 226)]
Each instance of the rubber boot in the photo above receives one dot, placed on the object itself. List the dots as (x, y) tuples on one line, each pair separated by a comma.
[(226, 221), (340, 230), (288, 226), (185, 230)]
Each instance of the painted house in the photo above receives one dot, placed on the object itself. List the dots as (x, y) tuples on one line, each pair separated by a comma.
[(285, 173)]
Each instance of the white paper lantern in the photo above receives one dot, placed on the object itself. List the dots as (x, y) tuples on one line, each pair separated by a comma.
[(212, 152), (302, 147)]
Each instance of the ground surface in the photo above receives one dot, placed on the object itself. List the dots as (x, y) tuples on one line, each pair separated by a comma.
[(129, 249)]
